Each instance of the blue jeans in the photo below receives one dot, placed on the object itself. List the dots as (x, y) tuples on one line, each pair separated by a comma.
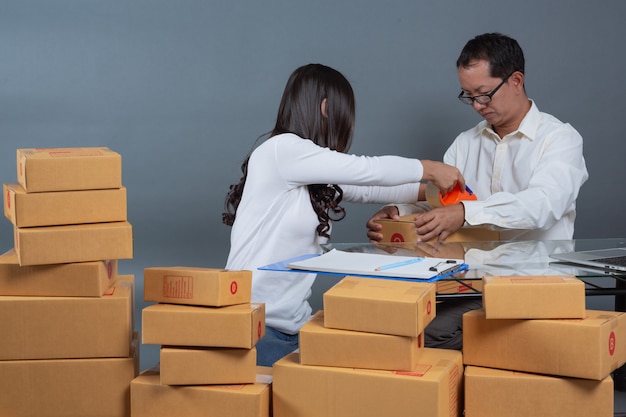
[(274, 345)]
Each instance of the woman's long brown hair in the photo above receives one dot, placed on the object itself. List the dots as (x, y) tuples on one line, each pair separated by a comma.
[(300, 113)]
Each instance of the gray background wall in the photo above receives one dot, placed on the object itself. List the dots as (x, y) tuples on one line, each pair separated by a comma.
[(182, 89)]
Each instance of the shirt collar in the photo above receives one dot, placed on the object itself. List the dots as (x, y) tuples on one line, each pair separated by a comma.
[(527, 128)]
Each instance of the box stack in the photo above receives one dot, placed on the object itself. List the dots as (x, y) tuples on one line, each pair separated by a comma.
[(69, 206), (534, 336), (207, 328), (68, 347), (363, 355)]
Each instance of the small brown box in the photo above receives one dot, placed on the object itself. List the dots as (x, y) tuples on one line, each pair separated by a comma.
[(237, 326), (590, 348), (68, 169), (68, 327), (375, 305), (73, 243), (496, 392), (150, 398), (196, 286), (403, 230), (68, 387), (207, 366), (533, 297), (433, 388), (63, 207), (80, 279), (324, 346)]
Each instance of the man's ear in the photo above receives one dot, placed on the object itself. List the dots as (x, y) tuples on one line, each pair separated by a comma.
[(323, 108), (518, 79)]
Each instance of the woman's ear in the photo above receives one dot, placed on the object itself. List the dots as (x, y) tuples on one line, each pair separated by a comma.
[(323, 108)]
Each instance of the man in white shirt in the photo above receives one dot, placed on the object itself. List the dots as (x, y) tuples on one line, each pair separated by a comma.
[(525, 166)]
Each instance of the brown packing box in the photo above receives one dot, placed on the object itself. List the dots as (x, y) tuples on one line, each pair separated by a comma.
[(375, 305), (196, 286), (83, 279), (590, 348), (68, 387), (238, 326), (533, 297), (73, 243), (68, 327), (320, 345), (63, 207), (496, 393), (459, 286), (403, 230), (432, 389), (68, 169), (149, 398), (205, 366)]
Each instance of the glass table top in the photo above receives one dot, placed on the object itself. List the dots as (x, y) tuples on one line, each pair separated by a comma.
[(509, 258)]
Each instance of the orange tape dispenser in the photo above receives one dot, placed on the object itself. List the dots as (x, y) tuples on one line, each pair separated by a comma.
[(436, 199)]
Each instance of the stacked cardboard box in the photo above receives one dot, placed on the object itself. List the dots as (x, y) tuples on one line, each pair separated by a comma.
[(363, 355), (534, 336), (69, 205), (207, 328), (67, 319)]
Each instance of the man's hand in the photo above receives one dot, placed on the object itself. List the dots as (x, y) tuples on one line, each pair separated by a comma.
[(387, 212), (440, 222)]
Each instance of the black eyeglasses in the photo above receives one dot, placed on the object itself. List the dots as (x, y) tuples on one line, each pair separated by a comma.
[(483, 98)]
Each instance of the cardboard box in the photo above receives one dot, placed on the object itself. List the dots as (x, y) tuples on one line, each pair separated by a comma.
[(83, 279), (67, 327), (533, 297), (63, 207), (432, 389), (205, 366), (459, 286), (68, 169), (68, 387), (149, 398), (320, 345), (496, 393), (403, 230), (374, 305), (73, 243), (237, 326), (197, 286), (590, 348)]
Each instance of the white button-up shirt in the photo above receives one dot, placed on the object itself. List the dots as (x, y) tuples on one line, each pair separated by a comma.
[(526, 182)]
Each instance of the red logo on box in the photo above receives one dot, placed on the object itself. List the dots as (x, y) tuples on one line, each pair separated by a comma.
[(259, 330), (109, 266), (612, 343), (397, 237), (428, 307), (233, 287)]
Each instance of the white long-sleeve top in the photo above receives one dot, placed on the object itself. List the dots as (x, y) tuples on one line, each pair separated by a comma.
[(527, 182), (275, 220)]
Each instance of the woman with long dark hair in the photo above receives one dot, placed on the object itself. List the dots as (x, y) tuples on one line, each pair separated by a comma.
[(291, 190)]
